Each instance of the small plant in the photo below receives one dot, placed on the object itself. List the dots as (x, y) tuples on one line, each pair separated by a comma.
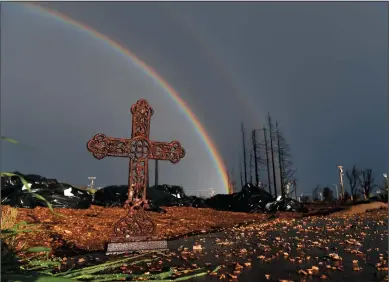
[(9, 236), (10, 229)]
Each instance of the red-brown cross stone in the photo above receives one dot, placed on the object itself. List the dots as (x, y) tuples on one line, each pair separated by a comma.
[(139, 149)]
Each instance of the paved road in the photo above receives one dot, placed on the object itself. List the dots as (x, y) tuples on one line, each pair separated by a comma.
[(311, 249), (342, 249)]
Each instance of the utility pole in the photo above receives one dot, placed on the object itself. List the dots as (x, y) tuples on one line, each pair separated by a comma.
[(251, 168), (272, 154), (92, 182), (254, 141), (279, 162), (156, 173), (267, 161), (244, 155)]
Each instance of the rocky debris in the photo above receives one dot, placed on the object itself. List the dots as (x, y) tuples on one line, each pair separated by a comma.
[(286, 205), (251, 199), (59, 195), (254, 199)]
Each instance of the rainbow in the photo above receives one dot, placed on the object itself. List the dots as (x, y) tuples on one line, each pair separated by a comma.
[(199, 128)]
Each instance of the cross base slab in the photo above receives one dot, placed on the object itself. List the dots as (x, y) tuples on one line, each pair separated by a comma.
[(120, 246)]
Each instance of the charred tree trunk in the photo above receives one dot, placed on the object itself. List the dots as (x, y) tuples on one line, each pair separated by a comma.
[(366, 181), (279, 162), (233, 182), (254, 141), (272, 154), (353, 178), (241, 177), (251, 168), (267, 160), (285, 161), (244, 155)]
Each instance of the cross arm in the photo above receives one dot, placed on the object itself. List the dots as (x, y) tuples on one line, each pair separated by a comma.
[(101, 146), (172, 151)]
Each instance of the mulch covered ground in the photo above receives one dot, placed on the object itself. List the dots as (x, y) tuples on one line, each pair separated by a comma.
[(91, 229)]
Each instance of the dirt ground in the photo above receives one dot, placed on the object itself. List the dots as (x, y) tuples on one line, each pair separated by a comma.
[(362, 208), (91, 229), (80, 231)]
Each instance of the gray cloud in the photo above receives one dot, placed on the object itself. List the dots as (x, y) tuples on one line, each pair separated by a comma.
[(319, 68)]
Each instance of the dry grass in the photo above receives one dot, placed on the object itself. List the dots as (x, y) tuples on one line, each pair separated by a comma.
[(8, 217)]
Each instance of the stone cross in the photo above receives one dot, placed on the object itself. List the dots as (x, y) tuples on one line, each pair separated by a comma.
[(136, 225)]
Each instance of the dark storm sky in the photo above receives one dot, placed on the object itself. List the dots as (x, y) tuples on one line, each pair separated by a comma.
[(320, 69)]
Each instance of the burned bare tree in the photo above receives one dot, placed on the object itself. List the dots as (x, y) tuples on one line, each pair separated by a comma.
[(285, 163), (353, 179), (327, 194), (271, 137), (279, 161), (257, 155), (267, 162), (244, 153), (366, 182), (241, 176), (251, 168), (234, 185)]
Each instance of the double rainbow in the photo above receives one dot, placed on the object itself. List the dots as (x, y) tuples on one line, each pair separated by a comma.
[(199, 128)]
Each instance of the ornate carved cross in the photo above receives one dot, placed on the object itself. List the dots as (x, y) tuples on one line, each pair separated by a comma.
[(139, 149)]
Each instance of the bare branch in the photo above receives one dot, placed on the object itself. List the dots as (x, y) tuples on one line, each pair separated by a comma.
[(366, 181), (353, 179), (285, 163)]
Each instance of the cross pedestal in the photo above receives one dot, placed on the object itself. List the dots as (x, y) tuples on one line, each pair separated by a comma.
[(135, 231)]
